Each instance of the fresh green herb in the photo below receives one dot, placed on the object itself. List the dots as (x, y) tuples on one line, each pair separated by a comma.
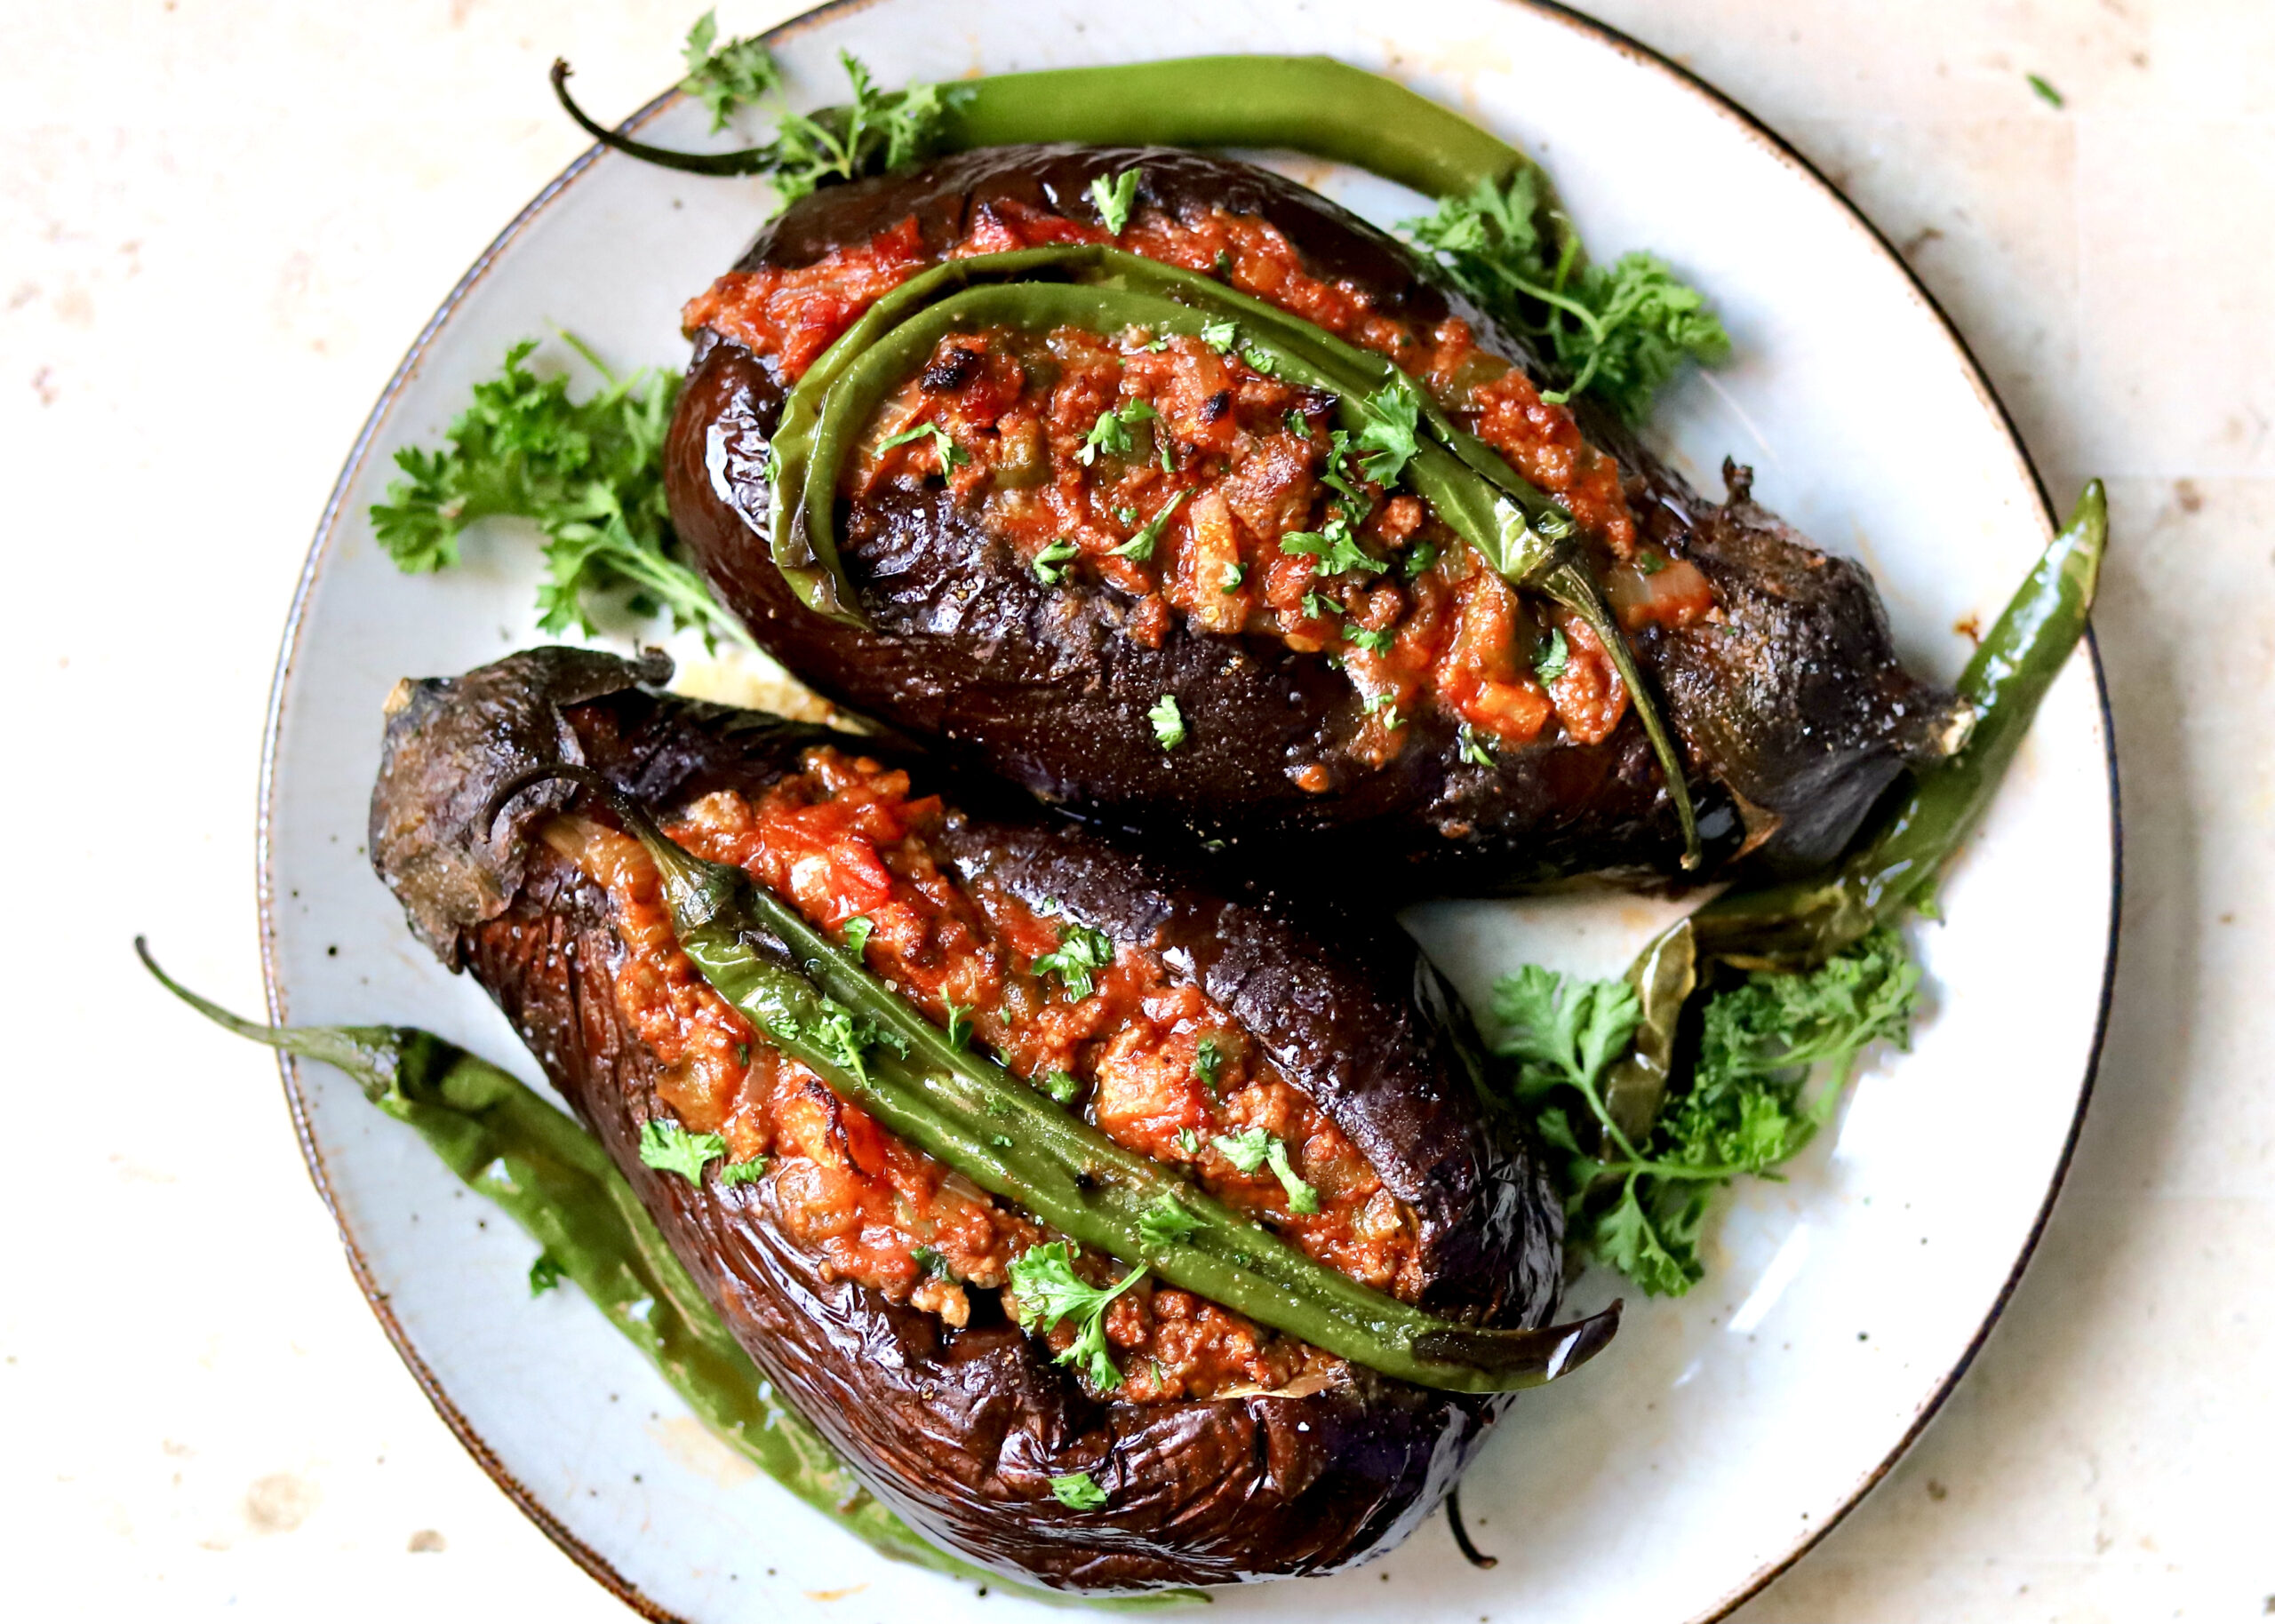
[(1372, 642), (669, 1148), (589, 472), (1260, 360), (1388, 440), (1111, 433), (742, 1054), (1126, 516), (1640, 1206), (1051, 563), (1319, 606), (730, 78), (1331, 550), (1207, 1062), (842, 1036), (873, 132), (1050, 1291), (1115, 200), (1474, 749), (1140, 547), (1161, 444), (958, 1030), (1166, 1222), (1301, 1196), (1169, 721), (1388, 703), (1221, 266), (2046, 93), (1222, 337), (1246, 1151), (1419, 557), (1649, 563), (1553, 658), (1298, 426), (1230, 581), (952, 456), (742, 1172), (546, 1273), (857, 930), (931, 1262), (1080, 951), (1619, 332), (1078, 1491), (1063, 1086), (1188, 1142)]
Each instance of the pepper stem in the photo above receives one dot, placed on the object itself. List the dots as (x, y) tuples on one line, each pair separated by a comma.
[(749, 161), (698, 892)]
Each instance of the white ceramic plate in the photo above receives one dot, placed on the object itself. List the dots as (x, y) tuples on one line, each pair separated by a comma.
[(1723, 1433)]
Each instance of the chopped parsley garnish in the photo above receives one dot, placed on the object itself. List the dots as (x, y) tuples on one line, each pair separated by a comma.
[(1298, 426), (669, 1148), (1050, 1291), (1140, 547), (743, 1173), (1554, 657), (1473, 748), (1063, 1086), (1169, 721), (1319, 606), (2046, 93), (589, 472), (1207, 1062), (1051, 563), (546, 1272), (1166, 1222), (1222, 337), (1078, 1491), (1619, 332), (1114, 199), (931, 1262), (1373, 643), (1257, 1149), (959, 1024), (1649, 563), (1188, 1142), (1640, 1204), (1260, 360), (1230, 581), (1111, 433), (730, 78), (1080, 951), (1332, 550), (1387, 705), (1387, 441), (952, 456), (857, 931), (842, 1036), (1419, 557)]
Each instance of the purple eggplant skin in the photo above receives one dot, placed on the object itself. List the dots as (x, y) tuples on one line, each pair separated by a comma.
[(960, 1431), (1792, 725)]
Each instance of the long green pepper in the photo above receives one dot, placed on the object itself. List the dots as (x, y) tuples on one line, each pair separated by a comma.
[(805, 993)]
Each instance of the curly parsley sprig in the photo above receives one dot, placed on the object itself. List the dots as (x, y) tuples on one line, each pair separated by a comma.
[(589, 472), (1619, 332), (1639, 1203)]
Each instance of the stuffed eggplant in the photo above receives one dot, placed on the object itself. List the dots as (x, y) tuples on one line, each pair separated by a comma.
[(1325, 1093), (1147, 567)]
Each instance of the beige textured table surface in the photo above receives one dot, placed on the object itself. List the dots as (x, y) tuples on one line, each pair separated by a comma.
[(219, 224)]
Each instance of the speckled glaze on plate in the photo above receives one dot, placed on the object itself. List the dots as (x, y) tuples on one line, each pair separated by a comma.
[(1722, 1434)]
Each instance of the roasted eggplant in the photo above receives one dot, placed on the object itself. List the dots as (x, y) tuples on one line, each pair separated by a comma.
[(864, 1280), (1025, 594)]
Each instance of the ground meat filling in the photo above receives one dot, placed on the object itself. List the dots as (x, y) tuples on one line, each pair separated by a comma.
[(1181, 502), (1148, 1058)]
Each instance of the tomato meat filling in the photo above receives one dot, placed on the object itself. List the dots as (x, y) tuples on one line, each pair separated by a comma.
[(1144, 1057)]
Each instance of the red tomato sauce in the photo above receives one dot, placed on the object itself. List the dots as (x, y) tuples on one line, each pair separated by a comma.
[(1159, 1069)]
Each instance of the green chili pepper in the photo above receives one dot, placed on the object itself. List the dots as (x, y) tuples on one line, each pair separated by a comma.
[(1518, 529), (1308, 104), (1800, 924), (812, 999), (553, 1179)]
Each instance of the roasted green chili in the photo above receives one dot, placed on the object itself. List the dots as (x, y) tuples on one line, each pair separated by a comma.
[(553, 1179), (819, 1003), (1518, 529), (1307, 104)]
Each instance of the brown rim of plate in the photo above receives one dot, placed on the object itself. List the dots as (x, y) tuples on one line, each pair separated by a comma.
[(1636, 52)]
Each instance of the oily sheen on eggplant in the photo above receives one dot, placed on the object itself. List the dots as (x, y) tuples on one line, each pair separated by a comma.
[(1793, 715), (960, 1431)]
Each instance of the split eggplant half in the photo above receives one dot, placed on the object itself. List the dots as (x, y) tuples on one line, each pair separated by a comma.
[(1304, 1069), (1190, 504)]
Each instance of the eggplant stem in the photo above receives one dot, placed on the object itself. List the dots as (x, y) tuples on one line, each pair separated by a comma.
[(1475, 1558)]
